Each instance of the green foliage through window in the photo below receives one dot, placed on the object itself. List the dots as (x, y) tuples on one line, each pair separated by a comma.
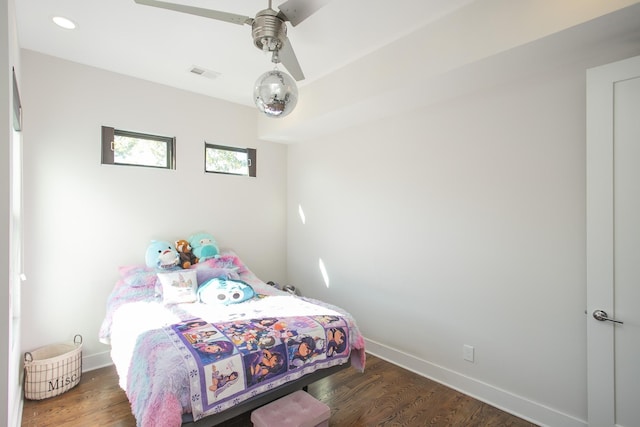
[(121, 147), (230, 160)]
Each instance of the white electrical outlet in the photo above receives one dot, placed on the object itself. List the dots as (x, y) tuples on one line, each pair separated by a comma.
[(468, 352)]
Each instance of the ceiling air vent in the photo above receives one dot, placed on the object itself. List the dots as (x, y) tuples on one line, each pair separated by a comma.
[(204, 72)]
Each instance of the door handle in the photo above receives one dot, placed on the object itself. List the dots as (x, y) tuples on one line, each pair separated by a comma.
[(602, 316)]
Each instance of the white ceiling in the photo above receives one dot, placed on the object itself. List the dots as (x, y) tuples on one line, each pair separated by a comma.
[(364, 59), (162, 46)]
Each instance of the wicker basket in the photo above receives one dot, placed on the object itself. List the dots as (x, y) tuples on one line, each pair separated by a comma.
[(53, 369)]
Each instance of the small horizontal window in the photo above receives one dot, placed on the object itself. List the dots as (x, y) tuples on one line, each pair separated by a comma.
[(121, 147), (229, 160)]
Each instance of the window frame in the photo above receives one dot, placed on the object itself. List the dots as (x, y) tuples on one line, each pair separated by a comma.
[(251, 158), (109, 133)]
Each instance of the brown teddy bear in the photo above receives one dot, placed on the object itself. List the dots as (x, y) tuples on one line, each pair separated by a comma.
[(187, 258)]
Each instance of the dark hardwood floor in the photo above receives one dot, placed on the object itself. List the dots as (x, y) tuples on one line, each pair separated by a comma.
[(385, 395)]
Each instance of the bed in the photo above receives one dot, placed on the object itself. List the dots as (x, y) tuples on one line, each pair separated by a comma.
[(169, 353)]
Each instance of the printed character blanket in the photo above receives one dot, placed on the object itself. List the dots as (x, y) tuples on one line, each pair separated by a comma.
[(151, 367), (229, 362)]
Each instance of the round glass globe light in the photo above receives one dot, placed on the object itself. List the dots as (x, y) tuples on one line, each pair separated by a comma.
[(275, 93)]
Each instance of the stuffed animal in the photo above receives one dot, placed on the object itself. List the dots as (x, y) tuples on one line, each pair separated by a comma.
[(162, 255), (187, 257), (203, 246), (224, 291)]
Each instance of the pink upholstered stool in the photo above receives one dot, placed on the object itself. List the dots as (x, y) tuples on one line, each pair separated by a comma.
[(297, 409)]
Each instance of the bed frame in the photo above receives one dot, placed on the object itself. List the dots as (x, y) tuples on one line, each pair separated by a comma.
[(262, 399)]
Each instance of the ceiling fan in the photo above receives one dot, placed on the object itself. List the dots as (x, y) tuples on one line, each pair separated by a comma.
[(268, 27)]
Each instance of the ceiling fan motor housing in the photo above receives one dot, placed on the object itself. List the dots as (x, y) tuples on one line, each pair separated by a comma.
[(268, 30)]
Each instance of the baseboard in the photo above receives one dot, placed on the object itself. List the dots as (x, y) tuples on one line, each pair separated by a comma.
[(95, 361), (502, 399)]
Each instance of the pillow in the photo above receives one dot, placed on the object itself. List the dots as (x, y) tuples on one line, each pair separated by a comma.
[(138, 276), (224, 291), (225, 261), (206, 273), (128, 270), (178, 286)]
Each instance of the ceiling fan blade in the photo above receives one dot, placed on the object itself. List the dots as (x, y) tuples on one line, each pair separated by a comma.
[(296, 11), (289, 60), (207, 13)]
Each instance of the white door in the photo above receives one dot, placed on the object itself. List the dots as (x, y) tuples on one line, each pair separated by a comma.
[(613, 244)]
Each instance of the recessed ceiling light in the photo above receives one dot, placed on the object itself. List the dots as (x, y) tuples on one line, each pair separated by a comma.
[(65, 23)]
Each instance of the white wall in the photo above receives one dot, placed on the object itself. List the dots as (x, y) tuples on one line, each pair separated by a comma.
[(10, 237), (458, 224), (463, 222), (84, 219), (453, 212)]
